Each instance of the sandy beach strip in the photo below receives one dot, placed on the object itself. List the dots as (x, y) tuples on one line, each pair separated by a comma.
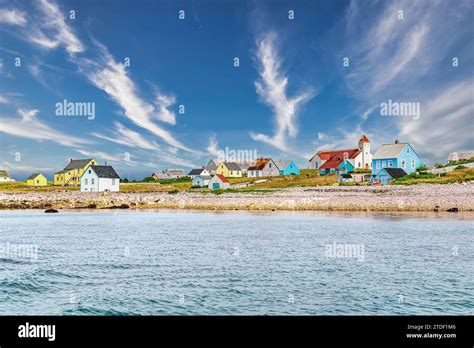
[(423, 197)]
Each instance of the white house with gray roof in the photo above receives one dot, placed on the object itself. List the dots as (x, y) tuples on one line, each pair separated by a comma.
[(100, 179)]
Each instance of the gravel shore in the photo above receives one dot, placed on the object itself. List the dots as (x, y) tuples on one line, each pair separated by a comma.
[(421, 197)]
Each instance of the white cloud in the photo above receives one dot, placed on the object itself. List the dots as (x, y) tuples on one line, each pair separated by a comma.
[(20, 167), (271, 87), (162, 103), (29, 126), (365, 115), (213, 147), (13, 17), (109, 157), (128, 137), (111, 77), (62, 33), (39, 38)]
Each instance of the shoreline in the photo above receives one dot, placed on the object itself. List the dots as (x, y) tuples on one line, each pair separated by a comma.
[(422, 197)]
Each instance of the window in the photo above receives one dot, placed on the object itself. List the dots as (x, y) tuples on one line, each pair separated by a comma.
[(37, 181), (269, 165), (408, 149), (384, 164), (92, 181), (404, 164), (377, 164), (358, 165), (113, 181), (412, 164), (85, 181), (390, 164), (90, 171)]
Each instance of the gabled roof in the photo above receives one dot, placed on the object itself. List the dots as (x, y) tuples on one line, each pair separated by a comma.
[(204, 177), (4, 174), (260, 164), (196, 171), (77, 164), (282, 164), (244, 165), (333, 154), (222, 177), (32, 176), (331, 164), (334, 158), (212, 164), (232, 166), (389, 151), (105, 172), (364, 139), (395, 172), (62, 171)]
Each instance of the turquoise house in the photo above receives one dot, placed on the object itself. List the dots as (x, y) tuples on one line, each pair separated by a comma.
[(397, 155), (386, 175), (287, 168), (345, 167), (336, 167)]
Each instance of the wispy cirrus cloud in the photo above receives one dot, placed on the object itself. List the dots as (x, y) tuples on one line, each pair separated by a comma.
[(27, 125), (121, 158), (128, 137), (12, 17), (55, 29), (272, 89), (111, 76), (26, 168), (51, 31)]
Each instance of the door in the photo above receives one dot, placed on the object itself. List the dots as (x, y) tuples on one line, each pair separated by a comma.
[(215, 185)]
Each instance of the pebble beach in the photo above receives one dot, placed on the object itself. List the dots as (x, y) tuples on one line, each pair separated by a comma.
[(422, 197)]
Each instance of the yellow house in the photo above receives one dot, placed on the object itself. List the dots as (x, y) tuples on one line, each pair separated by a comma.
[(229, 170), (71, 175), (36, 179)]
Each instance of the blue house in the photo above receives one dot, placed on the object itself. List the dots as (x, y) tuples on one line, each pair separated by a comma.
[(397, 155), (201, 180), (385, 175), (287, 167)]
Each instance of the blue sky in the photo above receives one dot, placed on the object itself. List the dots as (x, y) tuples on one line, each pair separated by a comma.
[(290, 96)]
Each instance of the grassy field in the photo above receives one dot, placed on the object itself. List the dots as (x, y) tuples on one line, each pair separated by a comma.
[(308, 177), (458, 175), (20, 186)]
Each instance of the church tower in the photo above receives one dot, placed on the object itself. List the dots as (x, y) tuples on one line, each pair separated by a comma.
[(364, 147)]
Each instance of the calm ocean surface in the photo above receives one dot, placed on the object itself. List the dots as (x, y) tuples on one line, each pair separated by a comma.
[(188, 262)]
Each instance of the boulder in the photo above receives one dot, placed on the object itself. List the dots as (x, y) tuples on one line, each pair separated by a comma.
[(51, 211)]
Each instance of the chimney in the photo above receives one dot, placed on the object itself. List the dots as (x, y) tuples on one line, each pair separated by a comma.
[(70, 160), (105, 162), (397, 141)]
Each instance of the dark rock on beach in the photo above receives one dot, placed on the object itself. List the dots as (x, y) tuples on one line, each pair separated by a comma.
[(51, 211), (453, 210)]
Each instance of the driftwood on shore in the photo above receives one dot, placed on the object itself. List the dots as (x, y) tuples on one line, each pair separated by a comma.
[(423, 197)]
